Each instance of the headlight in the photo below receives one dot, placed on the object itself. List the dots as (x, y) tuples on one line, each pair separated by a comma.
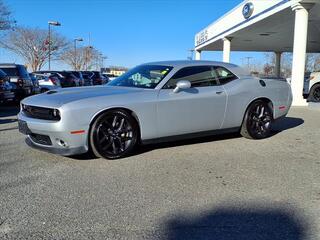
[(56, 113), (41, 112)]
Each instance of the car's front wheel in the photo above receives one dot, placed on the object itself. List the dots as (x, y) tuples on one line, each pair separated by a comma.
[(257, 121), (114, 134)]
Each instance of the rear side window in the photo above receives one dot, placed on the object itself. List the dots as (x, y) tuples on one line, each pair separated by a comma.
[(224, 75), (2, 74), (199, 76), (11, 71)]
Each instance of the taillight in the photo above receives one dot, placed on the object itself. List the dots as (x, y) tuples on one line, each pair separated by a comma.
[(20, 82), (53, 80)]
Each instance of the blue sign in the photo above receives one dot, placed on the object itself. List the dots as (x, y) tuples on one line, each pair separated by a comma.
[(247, 10)]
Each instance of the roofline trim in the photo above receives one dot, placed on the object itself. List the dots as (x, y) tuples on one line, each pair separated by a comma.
[(245, 21)]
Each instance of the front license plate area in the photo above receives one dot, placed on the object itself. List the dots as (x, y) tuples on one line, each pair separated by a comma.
[(23, 127)]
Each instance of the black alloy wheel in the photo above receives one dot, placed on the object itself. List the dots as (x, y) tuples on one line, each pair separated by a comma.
[(114, 134), (257, 121)]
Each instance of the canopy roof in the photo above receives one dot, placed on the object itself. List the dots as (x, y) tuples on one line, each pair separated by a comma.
[(269, 28)]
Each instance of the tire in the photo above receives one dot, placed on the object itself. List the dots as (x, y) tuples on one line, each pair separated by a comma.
[(114, 134), (314, 95), (257, 121)]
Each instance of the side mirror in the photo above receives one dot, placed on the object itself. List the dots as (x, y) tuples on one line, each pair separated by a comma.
[(182, 84)]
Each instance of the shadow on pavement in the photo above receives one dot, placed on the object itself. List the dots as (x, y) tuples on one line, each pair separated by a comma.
[(197, 140), (8, 111), (286, 123), (280, 125), (10, 120), (232, 223), (85, 156)]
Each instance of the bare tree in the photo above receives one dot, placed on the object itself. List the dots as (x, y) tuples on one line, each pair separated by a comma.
[(312, 62), (6, 20), (286, 62), (32, 45), (83, 58)]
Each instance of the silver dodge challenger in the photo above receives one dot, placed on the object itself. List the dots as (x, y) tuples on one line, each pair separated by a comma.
[(154, 102)]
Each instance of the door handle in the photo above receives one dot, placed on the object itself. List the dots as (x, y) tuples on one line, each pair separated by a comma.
[(219, 92)]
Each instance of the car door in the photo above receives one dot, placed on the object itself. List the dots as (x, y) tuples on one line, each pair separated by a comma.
[(199, 108)]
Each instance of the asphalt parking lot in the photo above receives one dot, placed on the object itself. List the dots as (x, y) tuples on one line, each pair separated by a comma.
[(224, 187)]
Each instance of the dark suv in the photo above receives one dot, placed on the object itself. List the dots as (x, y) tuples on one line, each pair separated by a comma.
[(20, 79), (98, 78), (69, 79), (79, 76)]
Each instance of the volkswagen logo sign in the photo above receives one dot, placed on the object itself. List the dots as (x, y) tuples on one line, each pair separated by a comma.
[(247, 10)]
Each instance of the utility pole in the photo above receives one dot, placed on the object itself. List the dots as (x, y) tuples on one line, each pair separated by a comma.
[(248, 62), (191, 54)]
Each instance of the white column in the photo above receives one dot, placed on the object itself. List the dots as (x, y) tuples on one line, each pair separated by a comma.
[(278, 64), (299, 53), (226, 49), (198, 55)]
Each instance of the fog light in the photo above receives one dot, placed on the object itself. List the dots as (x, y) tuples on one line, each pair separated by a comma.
[(61, 143)]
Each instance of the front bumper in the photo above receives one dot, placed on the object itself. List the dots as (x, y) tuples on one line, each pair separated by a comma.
[(59, 151), (61, 141)]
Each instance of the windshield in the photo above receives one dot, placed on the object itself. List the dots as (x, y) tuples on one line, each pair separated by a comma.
[(143, 76)]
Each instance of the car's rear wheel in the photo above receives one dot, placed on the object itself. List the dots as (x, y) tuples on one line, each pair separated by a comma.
[(114, 134), (257, 121), (314, 95)]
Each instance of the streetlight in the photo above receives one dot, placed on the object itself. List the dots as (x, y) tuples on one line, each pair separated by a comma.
[(75, 51), (51, 23), (88, 48)]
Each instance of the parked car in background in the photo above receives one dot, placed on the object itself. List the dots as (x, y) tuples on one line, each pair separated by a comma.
[(87, 78), (47, 82), (20, 78), (110, 76), (35, 83), (98, 78), (78, 75), (6, 89), (311, 89), (68, 79)]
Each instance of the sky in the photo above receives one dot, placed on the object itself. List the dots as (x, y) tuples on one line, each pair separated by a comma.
[(128, 32)]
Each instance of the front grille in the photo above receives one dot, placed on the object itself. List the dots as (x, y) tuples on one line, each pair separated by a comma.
[(41, 112), (41, 139)]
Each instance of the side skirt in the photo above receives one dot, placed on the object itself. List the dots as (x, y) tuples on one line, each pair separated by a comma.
[(190, 136)]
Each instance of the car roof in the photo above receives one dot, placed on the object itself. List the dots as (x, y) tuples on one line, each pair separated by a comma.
[(186, 63), (10, 65), (189, 63)]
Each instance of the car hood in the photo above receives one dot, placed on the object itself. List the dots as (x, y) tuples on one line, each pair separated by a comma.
[(59, 97)]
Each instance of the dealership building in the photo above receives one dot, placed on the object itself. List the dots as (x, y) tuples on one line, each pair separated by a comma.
[(267, 26)]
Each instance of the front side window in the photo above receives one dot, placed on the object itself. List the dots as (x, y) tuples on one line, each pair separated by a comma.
[(199, 76), (225, 75), (144, 76)]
